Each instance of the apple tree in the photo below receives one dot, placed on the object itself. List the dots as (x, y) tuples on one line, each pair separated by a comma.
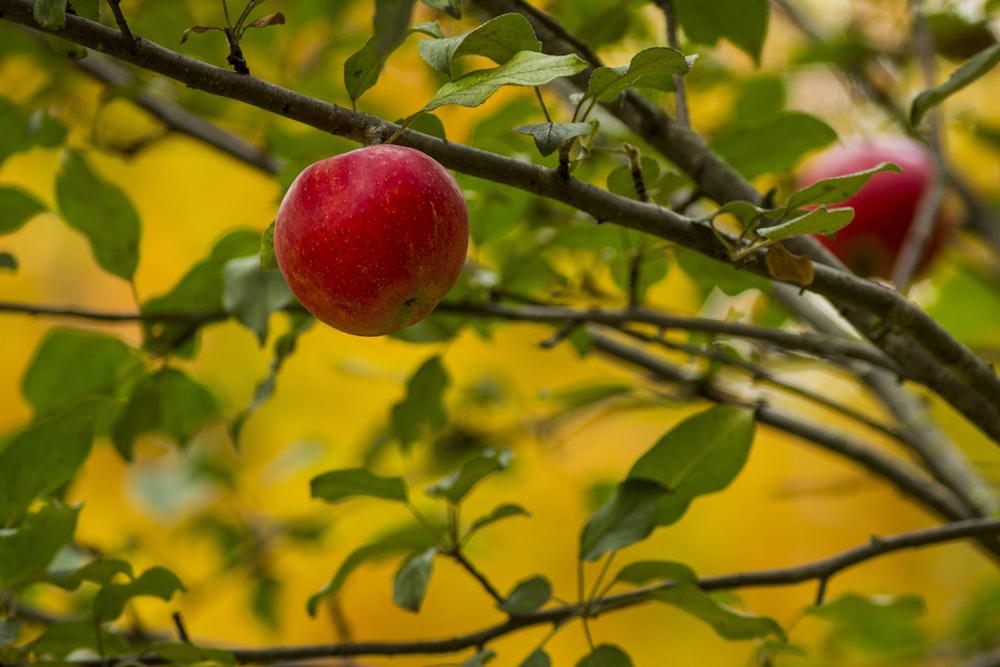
[(654, 419)]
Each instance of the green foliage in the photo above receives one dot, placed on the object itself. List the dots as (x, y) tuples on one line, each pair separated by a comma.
[(21, 130), (771, 144), (651, 68), (742, 22), (479, 659), (100, 211), (38, 461), (456, 486), (880, 625), (629, 516), (728, 623), (336, 485), (102, 366), (527, 596), (396, 542), (701, 455), (606, 655), (167, 402), (17, 207), (423, 407), (976, 67), (409, 586), (529, 255), (27, 550), (526, 68), (200, 291), (499, 39), (251, 294)]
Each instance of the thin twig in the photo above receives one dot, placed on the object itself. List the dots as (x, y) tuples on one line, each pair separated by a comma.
[(943, 364), (680, 94), (925, 220), (126, 31), (797, 574)]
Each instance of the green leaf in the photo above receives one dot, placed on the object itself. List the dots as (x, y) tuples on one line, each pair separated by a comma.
[(728, 278), (99, 572), (499, 513), (550, 137), (527, 596), (770, 145), (818, 221), (64, 638), (362, 69), (538, 658), (457, 485), (268, 261), (728, 623), (392, 19), (642, 572), (71, 363), (742, 22), (284, 346), (622, 182), (423, 406), (101, 212), (884, 625), (479, 659), (167, 402), (975, 68), (499, 39), (629, 516), (452, 8), (22, 130), (17, 207), (526, 68), (46, 455), (88, 9), (835, 190), (606, 655), (409, 586), (588, 394), (334, 486), (185, 653), (400, 541), (251, 294), (650, 68), (156, 582), (50, 14), (27, 550), (745, 211), (9, 628), (700, 455), (197, 293)]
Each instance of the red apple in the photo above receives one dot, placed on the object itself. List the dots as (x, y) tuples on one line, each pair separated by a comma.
[(371, 240), (884, 209)]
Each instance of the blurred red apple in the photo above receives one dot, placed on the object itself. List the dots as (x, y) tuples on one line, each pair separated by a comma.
[(371, 240), (884, 209)]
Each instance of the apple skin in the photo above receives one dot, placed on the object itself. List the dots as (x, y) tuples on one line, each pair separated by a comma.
[(884, 209), (371, 240)]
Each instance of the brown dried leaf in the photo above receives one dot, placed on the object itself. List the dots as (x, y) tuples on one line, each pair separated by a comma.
[(276, 18), (198, 29), (789, 267)]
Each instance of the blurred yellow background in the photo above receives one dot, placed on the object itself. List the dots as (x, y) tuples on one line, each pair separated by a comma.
[(791, 504)]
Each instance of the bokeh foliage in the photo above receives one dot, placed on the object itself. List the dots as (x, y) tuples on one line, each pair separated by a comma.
[(180, 436)]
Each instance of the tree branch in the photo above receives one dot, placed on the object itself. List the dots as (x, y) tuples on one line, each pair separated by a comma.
[(962, 369), (820, 570)]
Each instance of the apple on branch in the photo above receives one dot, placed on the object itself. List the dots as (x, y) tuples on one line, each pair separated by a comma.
[(371, 240), (885, 208)]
